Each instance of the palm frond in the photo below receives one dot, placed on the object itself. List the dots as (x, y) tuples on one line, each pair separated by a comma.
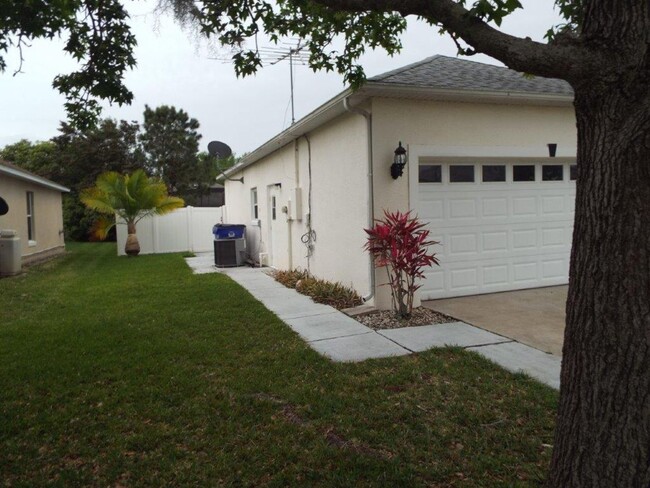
[(101, 227), (131, 196)]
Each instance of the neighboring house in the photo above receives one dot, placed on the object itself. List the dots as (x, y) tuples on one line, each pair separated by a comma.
[(214, 197), (35, 212), (479, 172)]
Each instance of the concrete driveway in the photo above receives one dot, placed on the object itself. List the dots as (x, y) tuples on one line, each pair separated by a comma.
[(534, 317)]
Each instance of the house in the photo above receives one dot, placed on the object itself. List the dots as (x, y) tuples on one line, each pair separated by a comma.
[(490, 167), (35, 212), (214, 197)]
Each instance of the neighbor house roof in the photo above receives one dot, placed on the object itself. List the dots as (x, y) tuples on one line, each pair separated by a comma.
[(7, 168), (434, 78)]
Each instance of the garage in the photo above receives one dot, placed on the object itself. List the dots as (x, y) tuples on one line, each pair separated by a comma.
[(502, 224)]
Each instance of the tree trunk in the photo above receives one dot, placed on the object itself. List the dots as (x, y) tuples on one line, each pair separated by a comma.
[(602, 437), (132, 246)]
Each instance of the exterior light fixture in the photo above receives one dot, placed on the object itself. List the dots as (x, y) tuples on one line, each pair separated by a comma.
[(399, 161), (552, 149)]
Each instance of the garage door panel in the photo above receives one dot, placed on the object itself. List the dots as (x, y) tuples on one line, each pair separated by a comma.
[(525, 272), (554, 269), (497, 236), (462, 208), (463, 244), (524, 239), (435, 281), (571, 203), (524, 206), (494, 241), (553, 237), (432, 208), (496, 275), (552, 205), (495, 207), (464, 278)]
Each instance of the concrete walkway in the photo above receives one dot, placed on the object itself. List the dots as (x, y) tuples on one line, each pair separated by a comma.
[(341, 338)]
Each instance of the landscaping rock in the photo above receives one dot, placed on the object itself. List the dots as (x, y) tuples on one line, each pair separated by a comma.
[(386, 319)]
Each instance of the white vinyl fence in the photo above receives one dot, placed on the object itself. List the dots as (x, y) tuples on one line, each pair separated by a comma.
[(185, 229)]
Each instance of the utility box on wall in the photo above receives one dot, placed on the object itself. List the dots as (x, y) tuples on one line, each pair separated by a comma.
[(295, 204), (10, 253)]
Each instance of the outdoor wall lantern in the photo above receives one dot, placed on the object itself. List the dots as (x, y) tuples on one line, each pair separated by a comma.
[(552, 149), (399, 161)]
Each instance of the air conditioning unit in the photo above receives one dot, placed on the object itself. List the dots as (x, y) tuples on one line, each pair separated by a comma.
[(229, 252)]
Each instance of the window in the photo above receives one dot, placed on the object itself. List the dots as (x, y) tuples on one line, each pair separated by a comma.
[(573, 172), (461, 173), (494, 172), (552, 172), (31, 234), (273, 207), (254, 208), (430, 173), (523, 172)]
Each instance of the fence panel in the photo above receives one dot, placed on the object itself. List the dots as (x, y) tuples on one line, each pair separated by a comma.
[(185, 229)]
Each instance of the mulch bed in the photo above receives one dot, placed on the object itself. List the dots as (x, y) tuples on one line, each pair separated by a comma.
[(386, 319)]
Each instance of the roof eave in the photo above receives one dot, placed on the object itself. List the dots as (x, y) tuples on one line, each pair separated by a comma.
[(324, 113), (376, 88), (16, 173)]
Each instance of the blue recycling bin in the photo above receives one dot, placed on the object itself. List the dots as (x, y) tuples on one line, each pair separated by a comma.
[(228, 231)]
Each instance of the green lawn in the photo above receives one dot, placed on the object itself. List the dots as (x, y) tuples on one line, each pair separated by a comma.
[(134, 372)]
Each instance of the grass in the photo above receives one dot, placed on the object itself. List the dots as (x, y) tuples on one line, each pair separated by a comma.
[(134, 372), (321, 291)]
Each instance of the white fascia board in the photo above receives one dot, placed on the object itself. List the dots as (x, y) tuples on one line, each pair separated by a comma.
[(16, 173), (407, 91)]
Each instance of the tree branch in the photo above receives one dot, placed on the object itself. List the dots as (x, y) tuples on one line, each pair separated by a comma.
[(567, 60)]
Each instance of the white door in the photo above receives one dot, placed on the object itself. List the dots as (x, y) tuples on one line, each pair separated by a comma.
[(503, 225), (278, 250)]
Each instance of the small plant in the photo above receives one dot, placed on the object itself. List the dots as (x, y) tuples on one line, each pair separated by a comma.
[(337, 295), (290, 277), (399, 242)]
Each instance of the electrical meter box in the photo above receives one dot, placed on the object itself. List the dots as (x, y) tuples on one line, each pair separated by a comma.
[(295, 204)]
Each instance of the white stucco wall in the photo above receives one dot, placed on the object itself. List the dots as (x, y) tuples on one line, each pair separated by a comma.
[(339, 202), (48, 217), (434, 127), (339, 175)]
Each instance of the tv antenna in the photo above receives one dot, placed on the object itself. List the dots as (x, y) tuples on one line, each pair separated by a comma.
[(291, 51)]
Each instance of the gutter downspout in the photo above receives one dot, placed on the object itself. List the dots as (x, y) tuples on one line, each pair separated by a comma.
[(371, 196)]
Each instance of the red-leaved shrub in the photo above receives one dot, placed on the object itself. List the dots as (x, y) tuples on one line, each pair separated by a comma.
[(399, 242)]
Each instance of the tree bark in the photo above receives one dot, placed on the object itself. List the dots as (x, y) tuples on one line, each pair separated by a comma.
[(602, 437), (132, 246)]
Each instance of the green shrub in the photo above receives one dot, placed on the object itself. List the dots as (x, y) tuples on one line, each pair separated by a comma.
[(336, 295), (289, 278)]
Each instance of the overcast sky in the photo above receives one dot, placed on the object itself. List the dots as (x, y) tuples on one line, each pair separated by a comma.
[(173, 70)]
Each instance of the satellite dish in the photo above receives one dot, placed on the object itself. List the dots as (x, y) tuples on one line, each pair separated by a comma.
[(4, 208), (219, 150)]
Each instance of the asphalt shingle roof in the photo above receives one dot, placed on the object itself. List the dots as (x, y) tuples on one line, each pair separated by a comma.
[(444, 72)]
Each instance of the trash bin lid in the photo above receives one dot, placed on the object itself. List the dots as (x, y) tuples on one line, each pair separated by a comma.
[(8, 233)]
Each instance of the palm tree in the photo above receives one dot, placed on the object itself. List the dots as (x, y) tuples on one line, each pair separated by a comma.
[(132, 197)]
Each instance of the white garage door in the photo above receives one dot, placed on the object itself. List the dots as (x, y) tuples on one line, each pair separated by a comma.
[(502, 225)]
